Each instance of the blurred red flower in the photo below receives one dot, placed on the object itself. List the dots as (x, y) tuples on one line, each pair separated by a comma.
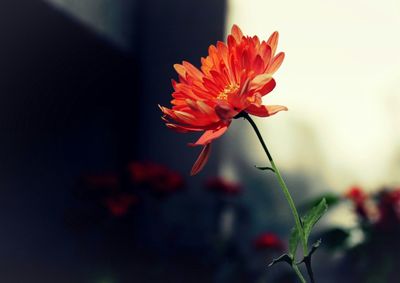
[(119, 205), (356, 194), (232, 78), (224, 186), (268, 241), (156, 176), (359, 198), (389, 209)]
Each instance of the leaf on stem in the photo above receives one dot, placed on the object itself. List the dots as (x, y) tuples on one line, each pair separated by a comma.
[(283, 258), (315, 246), (265, 168), (331, 200), (294, 240), (312, 217)]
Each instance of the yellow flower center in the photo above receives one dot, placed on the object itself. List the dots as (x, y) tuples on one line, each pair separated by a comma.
[(223, 95)]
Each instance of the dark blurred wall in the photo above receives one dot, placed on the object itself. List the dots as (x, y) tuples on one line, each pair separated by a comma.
[(114, 19), (158, 34), (75, 100), (64, 101)]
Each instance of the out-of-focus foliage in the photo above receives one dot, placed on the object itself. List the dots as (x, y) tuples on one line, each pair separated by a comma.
[(375, 257)]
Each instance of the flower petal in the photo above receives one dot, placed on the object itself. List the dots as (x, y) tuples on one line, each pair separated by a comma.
[(265, 110), (260, 80), (273, 41), (184, 116), (258, 64), (237, 33), (182, 129), (180, 70), (276, 62), (209, 136), (267, 88), (265, 52), (201, 160), (192, 70)]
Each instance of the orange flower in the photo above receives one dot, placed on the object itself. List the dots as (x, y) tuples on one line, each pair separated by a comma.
[(232, 78)]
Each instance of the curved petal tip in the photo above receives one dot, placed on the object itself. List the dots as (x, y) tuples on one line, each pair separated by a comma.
[(265, 110), (201, 160)]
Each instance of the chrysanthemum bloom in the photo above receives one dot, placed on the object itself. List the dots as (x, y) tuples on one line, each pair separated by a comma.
[(232, 78)]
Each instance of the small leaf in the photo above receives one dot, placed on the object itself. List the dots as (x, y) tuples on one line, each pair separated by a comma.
[(331, 200), (265, 168), (315, 246), (294, 240), (283, 258), (312, 217)]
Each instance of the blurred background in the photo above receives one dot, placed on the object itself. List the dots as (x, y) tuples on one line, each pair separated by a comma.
[(94, 188)]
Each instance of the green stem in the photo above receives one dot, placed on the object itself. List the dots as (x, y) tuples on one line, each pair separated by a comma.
[(281, 182), (298, 273), (285, 191), (289, 199)]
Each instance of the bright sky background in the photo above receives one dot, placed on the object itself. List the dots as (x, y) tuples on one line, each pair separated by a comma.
[(341, 82)]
